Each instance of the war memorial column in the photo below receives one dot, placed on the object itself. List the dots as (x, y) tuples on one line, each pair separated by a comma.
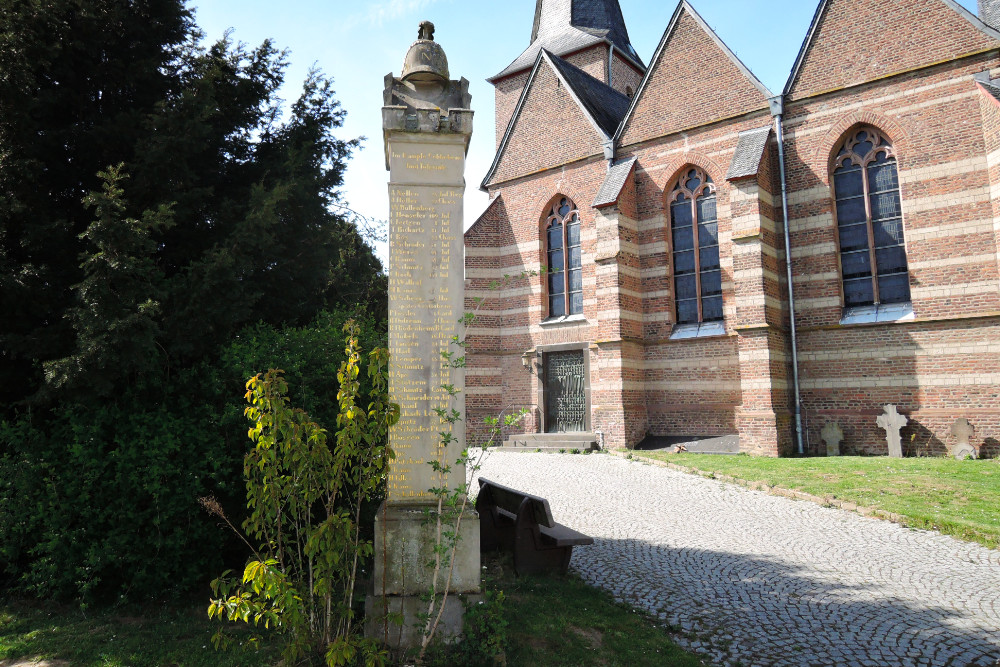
[(427, 125)]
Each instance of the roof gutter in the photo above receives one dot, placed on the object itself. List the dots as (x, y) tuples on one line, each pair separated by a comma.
[(777, 111)]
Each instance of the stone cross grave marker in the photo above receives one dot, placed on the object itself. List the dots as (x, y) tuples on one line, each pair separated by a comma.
[(832, 435), (963, 430), (891, 421), (427, 124)]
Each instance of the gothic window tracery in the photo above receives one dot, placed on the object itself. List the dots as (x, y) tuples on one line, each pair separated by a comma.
[(565, 273), (870, 221), (694, 231)]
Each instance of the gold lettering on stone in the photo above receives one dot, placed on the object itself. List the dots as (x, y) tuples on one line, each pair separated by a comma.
[(426, 255)]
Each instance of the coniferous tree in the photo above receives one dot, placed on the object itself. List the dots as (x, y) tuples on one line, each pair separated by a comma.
[(87, 84)]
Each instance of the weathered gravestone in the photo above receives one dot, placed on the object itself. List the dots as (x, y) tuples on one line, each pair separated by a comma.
[(832, 435), (427, 125), (963, 430), (891, 421)]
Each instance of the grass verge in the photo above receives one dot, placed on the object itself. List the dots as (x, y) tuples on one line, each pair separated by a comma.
[(558, 620), (177, 637), (958, 498)]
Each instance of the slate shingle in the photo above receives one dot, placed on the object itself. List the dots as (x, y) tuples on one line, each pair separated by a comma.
[(604, 104), (749, 152), (564, 26), (617, 176)]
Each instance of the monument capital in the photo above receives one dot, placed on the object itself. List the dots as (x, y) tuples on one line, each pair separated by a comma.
[(423, 99)]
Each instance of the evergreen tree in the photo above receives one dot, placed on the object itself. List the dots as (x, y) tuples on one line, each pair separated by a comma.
[(86, 84), (117, 303)]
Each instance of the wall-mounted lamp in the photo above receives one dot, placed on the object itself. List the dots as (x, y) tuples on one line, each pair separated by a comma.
[(526, 360)]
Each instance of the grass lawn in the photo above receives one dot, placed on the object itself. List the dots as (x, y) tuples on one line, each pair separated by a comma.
[(551, 621), (65, 635), (959, 498)]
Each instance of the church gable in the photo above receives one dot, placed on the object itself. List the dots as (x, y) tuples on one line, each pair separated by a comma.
[(693, 79), (553, 123), (855, 41)]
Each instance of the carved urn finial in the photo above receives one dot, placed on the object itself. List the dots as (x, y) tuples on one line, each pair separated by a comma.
[(426, 31), (425, 61)]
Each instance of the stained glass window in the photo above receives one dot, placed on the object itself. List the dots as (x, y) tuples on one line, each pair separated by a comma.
[(694, 233), (565, 273), (870, 221)]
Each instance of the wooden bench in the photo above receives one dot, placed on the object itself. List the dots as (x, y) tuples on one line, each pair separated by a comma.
[(518, 522)]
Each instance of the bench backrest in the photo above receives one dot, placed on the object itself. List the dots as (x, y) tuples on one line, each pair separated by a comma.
[(510, 500)]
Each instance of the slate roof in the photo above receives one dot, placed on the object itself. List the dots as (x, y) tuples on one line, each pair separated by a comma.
[(617, 176), (992, 88), (564, 26), (976, 22), (605, 105), (749, 151)]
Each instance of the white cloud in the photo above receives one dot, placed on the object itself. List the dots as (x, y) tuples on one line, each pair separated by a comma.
[(378, 13)]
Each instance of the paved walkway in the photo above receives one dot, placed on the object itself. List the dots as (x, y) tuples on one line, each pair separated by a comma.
[(746, 578)]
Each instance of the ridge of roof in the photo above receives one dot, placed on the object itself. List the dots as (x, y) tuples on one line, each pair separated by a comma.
[(489, 207), (976, 22), (605, 105), (991, 88), (565, 26), (601, 104), (683, 6)]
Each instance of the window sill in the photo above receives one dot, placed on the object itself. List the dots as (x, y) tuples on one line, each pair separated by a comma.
[(882, 312), (700, 330), (563, 320)]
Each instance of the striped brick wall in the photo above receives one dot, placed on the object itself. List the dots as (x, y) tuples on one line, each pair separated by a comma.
[(939, 367)]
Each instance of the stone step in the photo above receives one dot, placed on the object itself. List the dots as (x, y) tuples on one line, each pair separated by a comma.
[(549, 442)]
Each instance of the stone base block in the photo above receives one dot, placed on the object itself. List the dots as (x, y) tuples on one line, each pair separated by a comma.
[(405, 538), (413, 610)]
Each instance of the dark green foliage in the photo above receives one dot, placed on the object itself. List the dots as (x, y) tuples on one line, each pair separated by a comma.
[(100, 501), (156, 201), (225, 218), (117, 303)]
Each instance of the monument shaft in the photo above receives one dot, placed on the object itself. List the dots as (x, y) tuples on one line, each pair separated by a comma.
[(425, 305)]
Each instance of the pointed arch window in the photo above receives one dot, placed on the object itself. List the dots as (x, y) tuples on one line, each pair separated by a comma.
[(694, 230), (870, 221), (565, 274)]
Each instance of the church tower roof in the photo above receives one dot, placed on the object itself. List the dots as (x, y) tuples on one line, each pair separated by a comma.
[(564, 26)]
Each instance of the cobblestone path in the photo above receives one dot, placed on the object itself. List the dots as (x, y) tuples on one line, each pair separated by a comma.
[(745, 578)]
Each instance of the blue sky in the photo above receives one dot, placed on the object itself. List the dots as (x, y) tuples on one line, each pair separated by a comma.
[(359, 42)]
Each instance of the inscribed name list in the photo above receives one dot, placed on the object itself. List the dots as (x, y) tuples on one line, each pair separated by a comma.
[(425, 303)]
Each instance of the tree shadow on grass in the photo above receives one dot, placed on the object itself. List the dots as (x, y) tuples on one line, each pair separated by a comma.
[(61, 634)]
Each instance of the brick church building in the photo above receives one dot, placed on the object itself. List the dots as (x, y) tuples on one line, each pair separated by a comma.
[(639, 214)]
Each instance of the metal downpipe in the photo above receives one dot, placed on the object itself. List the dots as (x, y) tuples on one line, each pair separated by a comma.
[(777, 110)]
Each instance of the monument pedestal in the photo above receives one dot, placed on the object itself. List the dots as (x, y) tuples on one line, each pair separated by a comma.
[(427, 125), (405, 537)]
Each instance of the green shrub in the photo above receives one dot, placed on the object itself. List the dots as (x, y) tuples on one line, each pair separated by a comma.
[(484, 637), (305, 498), (101, 502)]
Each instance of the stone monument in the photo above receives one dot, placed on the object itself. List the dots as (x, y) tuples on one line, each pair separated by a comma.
[(832, 435), (891, 421), (963, 449), (427, 124)]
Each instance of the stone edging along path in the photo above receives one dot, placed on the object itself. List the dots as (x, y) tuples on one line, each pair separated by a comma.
[(825, 501)]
